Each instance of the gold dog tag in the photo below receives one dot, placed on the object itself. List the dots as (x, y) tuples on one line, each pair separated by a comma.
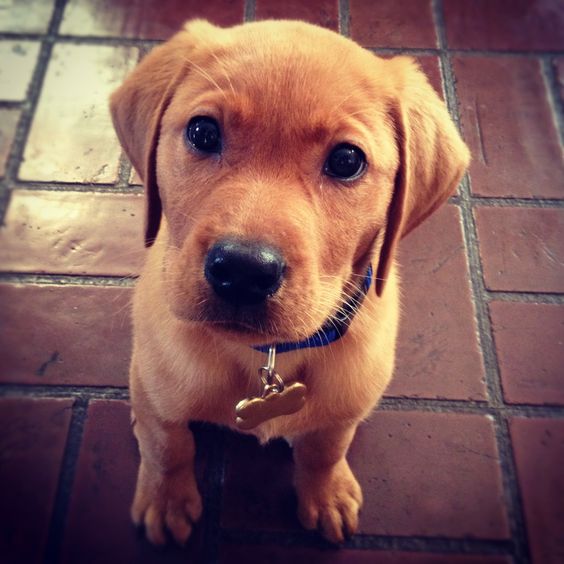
[(254, 411), (277, 398)]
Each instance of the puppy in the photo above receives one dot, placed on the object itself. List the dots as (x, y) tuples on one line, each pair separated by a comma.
[(282, 164)]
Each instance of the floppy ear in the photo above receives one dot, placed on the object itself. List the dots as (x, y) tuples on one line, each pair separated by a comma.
[(138, 105), (432, 159)]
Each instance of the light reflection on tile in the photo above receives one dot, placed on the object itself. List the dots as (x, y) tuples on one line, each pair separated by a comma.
[(72, 137), (25, 16), (17, 62)]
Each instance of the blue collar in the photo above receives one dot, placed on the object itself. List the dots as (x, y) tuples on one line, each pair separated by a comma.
[(334, 328)]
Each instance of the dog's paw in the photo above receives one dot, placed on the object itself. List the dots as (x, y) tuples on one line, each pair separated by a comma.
[(330, 502), (166, 502)]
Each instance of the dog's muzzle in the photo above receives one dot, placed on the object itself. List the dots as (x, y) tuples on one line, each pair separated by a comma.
[(244, 273)]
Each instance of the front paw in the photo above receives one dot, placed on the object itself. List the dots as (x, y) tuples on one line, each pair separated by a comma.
[(329, 500), (170, 501)]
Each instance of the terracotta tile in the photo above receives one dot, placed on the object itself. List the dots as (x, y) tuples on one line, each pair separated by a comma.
[(280, 554), (429, 474), (32, 442), (71, 137), (509, 127), (438, 354), (17, 62), (320, 12), (8, 123), (538, 445), (77, 335), (499, 24), (388, 23), (250, 504), (99, 529), (72, 233), (25, 16), (522, 249), (521, 331), (145, 19)]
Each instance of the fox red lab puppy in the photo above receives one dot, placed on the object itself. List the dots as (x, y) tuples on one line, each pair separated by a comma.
[(280, 161)]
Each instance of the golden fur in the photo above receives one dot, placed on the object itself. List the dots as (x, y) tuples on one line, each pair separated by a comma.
[(284, 93)]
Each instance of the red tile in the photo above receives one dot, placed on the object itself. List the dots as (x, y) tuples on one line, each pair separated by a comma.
[(538, 445), (145, 19), (320, 12), (508, 125), (17, 62), (521, 331), (429, 474), (26, 16), (32, 442), (72, 233), (230, 554), (504, 24), (389, 23), (438, 354), (99, 529), (522, 249), (72, 137), (250, 502), (8, 123), (65, 335)]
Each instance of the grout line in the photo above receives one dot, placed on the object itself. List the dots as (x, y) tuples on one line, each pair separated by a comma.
[(66, 480), (524, 297), (67, 279), (28, 108), (119, 187), (388, 403), (505, 202), (485, 336), (249, 12), (481, 313), (83, 39), (515, 513), (411, 543), (83, 393), (548, 72), (12, 104), (124, 172), (344, 18), (249, 15), (122, 186)]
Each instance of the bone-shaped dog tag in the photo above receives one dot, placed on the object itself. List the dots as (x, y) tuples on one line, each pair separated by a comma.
[(254, 411)]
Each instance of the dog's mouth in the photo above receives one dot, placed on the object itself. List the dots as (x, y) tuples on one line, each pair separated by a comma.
[(254, 325)]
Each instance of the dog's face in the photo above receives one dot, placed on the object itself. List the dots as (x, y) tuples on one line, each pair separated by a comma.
[(280, 157)]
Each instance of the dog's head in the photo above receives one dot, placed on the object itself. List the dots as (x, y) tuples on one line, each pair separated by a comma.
[(279, 160)]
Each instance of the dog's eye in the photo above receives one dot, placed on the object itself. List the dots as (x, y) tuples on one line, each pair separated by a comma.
[(346, 162), (203, 133)]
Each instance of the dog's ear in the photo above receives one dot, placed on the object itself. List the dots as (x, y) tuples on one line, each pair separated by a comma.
[(137, 107), (432, 159)]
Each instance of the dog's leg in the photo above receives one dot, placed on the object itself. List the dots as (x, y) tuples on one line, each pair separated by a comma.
[(329, 496), (166, 494)]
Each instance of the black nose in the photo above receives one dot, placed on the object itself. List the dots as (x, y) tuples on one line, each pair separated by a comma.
[(244, 272)]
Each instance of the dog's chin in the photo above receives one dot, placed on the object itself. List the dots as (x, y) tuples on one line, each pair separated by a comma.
[(249, 326)]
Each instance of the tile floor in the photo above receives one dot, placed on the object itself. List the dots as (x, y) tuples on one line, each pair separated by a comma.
[(462, 462)]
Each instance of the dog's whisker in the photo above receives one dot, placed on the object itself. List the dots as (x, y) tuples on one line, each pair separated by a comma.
[(204, 74), (222, 66)]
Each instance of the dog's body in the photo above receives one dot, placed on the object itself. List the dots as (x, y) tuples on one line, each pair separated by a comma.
[(285, 97)]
